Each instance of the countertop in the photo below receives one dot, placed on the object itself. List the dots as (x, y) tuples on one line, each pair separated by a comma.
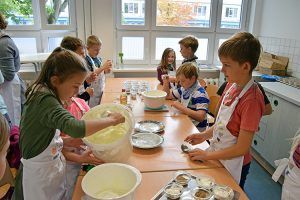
[(284, 91)]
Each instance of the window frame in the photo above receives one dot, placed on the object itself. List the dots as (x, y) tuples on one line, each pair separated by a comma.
[(27, 34), (144, 34), (72, 17), (45, 34), (243, 20)]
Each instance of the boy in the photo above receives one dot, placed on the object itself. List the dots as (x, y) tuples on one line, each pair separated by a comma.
[(95, 65), (76, 45), (241, 108), (188, 48), (193, 98)]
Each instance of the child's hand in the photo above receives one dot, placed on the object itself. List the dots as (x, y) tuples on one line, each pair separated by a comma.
[(177, 105), (198, 154), (117, 118), (91, 77), (90, 90), (196, 138), (88, 157), (107, 65)]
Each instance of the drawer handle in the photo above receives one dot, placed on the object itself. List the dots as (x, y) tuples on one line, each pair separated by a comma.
[(255, 142), (276, 103)]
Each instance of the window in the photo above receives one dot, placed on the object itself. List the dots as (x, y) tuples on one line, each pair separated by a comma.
[(32, 22), (211, 21)]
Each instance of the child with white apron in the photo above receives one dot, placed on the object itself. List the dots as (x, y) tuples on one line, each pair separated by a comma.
[(291, 169), (222, 138)]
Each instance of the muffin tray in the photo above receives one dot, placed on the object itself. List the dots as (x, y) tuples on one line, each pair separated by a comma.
[(186, 194)]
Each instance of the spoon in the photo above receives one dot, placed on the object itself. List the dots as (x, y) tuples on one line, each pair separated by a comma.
[(186, 147)]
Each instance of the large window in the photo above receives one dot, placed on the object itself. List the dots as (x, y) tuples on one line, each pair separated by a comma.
[(165, 22), (39, 25)]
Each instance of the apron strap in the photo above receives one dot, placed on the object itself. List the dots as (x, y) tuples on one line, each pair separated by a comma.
[(281, 167)]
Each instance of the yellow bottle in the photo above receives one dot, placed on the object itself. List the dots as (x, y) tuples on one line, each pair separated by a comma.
[(123, 97)]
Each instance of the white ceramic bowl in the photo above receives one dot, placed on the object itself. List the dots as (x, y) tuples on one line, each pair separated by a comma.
[(154, 99), (111, 181)]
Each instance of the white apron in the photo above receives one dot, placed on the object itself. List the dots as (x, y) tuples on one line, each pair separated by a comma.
[(44, 175), (98, 86), (11, 93), (222, 138), (291, 185), (73, 168)]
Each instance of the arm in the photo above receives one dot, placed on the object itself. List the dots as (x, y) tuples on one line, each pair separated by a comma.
[(85, 157), (198, 138), (7, 60), (268, 108), (105, 67), (166, 88), (198, 115), (159, 73), (239, 149)]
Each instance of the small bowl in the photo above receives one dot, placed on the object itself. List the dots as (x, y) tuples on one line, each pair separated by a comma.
[(201, 193), (223, 192), (173, 190), (205, 182), (182, 177)]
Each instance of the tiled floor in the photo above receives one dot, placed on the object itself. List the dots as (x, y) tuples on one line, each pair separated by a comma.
[(260, 185)]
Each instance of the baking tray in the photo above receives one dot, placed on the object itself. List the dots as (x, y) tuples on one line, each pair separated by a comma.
[(186, 195)]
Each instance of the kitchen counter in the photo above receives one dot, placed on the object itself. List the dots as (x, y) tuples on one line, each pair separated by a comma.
[(284, 91)]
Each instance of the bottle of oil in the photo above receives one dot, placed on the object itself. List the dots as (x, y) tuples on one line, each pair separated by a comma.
[(123, 97)]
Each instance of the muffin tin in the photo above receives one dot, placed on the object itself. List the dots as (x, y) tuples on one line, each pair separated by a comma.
[(193, 191)]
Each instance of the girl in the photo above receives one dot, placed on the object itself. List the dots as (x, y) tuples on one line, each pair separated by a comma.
[(291, 185), (4, 144), (42, 172), (167, 66)]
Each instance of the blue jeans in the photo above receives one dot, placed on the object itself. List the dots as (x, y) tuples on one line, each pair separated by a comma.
[(245, 172)]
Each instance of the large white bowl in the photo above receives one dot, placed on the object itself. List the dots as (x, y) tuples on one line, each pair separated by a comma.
[(154, 99), (111, 181)]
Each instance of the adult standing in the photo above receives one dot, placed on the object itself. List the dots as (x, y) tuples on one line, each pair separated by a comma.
[(9, 66)]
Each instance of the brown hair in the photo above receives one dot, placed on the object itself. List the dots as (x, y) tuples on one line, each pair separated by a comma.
[(3, 22), (241, 47), (164, 59), (71, 43), (187, 69), (57, 64), (93, 40), (190, 41), (4, 131)]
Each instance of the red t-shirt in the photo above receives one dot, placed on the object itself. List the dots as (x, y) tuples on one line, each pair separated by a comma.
[(247, 113)]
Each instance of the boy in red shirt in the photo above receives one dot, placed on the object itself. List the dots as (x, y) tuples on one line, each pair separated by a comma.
[(241, 108)]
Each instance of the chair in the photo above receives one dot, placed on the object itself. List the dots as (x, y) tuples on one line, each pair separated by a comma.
[(214, 100)]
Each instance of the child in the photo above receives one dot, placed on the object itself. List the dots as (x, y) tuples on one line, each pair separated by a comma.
[(188, 48), (242, 106), (167, 65), (4, 144), (193, 98), (3, 107), (291, 166), (95, 65), (72, 149), (76, 45), (42, 173)]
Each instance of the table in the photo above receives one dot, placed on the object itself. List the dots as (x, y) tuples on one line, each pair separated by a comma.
[(169, 156), (148, 189), (36, 59)]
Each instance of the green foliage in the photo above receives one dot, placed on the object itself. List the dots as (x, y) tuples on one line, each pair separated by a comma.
[(12, 8)]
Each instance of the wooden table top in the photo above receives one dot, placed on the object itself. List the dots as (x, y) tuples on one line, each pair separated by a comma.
[(169, 156), (147, 189)]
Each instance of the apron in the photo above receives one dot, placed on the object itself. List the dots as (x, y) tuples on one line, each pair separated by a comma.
[(222, 138), (73, 168), (98, 86), (11, 93), (291, 185), (44, 176)]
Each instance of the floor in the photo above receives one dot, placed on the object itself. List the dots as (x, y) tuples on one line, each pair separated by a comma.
[(260, 185)]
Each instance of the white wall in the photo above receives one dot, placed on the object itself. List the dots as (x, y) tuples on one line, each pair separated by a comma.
[(280, 19), (103, 26)]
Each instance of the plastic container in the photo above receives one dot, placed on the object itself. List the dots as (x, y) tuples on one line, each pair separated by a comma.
[(111, 181), (173, 190), (112, 144)]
